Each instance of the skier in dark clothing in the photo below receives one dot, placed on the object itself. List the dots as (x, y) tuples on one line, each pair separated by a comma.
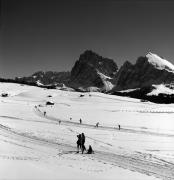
[(78, 142), (119, 127), (44, 113), (80, 121), (90, 150), (97, 124), (83, 143)]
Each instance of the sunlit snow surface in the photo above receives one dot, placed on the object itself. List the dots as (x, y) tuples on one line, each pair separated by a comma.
[(161, 88), (107, 84), (36, 147), (159, 62)]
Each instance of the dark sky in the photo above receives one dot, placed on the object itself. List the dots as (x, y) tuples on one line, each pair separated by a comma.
[(50, 35)]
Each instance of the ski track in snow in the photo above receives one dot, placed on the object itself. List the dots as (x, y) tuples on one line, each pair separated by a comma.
[(134, 162), (69, 123), (139, 162)]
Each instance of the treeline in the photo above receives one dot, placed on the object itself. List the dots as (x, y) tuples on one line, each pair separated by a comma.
[(18, 81), (142, 95), (138, 94)]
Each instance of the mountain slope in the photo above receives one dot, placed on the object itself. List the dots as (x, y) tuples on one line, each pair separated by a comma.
[(92, 70), (147, 70), (47, 78), (159, 62)]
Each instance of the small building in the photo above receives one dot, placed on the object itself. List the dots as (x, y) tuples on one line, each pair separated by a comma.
[(49, 103), (4, 95)]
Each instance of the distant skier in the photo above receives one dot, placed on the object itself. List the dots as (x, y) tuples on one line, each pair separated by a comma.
[(83, 143), (70, 118), (59, 122), (44, 113), (90, 150), (97, 124), (80, 121), (78, 142), (119, 127)]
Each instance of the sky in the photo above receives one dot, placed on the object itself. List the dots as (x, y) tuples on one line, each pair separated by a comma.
[(50, 35)]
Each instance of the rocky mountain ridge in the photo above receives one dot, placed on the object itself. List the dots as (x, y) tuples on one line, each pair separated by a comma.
[(93, 72), (46, 78), (148, 70)]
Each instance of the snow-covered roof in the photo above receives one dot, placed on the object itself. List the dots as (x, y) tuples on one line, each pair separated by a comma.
[(159, 62)]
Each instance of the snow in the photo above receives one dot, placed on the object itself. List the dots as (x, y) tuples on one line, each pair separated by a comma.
[(159, 62), (103, 76), (34, 146), (93, 89), (107, 84), (129, 90), (161, 88), (39, 83)]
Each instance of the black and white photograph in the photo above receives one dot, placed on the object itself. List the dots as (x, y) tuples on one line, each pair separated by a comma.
[(86, 90)]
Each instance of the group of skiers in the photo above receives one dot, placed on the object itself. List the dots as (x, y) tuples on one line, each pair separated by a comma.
[(97, 124), (81, 144), (81, 138)]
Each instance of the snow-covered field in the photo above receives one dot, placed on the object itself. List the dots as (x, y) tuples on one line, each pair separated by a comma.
[(34, 146)]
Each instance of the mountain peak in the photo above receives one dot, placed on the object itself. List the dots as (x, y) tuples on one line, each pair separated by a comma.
[(148, 70), (159, 62), (92, 70)]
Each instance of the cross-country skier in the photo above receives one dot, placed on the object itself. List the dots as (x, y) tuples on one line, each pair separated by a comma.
[(83, 143), (97, 124), (80, 121), (78, 142)]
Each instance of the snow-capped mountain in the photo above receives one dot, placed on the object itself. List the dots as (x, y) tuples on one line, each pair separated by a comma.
[(147, 70), (159, 62), (151, 75)]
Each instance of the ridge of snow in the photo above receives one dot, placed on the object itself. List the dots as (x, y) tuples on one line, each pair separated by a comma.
[(93, 89), (129, 90), (39, 83), (103, 76), (107, 84), (159, 62), (161, 88)]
